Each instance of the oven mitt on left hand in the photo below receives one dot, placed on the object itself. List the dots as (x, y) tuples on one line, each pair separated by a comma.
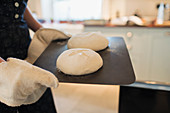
[(41, 39), (22, 83)]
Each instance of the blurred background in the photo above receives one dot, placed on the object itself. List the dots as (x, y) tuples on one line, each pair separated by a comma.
[(145, 28), (108, 10)]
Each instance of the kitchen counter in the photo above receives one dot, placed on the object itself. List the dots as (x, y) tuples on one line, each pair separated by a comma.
[(151, 85), (149, 26)]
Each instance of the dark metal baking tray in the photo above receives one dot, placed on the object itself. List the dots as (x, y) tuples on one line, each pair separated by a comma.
[(117, 67)]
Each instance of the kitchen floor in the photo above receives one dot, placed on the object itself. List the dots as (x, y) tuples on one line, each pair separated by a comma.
[(84, 98)]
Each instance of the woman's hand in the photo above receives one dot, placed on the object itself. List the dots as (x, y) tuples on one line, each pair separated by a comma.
[(2, 60)]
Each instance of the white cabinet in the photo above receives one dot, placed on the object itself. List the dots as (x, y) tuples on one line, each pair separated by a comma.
[(139, 48), (160, 56), (149, 50)]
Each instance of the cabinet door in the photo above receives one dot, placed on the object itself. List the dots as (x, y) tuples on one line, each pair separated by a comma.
[(160, 57), (138, 42)]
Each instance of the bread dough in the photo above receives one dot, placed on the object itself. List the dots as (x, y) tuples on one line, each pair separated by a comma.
[(79, 61), (91, 40)]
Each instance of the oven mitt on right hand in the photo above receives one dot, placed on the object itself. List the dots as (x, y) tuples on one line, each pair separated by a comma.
[(22, 83), (41, 39)]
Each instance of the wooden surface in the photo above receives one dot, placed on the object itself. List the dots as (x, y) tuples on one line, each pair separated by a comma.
[(85, 98), (117, 68)]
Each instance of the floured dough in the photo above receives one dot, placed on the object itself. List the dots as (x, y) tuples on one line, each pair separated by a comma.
[(79, 61), (91, 40)]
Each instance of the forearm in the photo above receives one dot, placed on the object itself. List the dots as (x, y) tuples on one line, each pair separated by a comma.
[(1, 60), (32, 23)]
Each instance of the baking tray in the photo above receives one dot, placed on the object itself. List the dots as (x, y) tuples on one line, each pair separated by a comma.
[(117, 67)]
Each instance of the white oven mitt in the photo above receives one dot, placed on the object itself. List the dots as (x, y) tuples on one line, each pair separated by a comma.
[(41, 39), (23, 83)]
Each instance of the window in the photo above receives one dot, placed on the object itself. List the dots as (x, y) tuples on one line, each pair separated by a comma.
[(72, 9)]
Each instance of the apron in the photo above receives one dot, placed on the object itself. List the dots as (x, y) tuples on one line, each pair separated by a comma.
[(14, 42), (14, 34)]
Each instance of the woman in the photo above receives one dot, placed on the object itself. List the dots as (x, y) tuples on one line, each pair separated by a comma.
[(15, 18)]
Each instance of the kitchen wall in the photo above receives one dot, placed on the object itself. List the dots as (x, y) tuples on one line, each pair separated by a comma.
[(35, 7)]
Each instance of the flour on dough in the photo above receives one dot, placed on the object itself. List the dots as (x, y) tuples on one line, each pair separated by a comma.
[(79, 61), (90, 40)]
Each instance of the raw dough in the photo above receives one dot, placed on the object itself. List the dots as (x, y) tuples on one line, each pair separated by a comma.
[(79, 61), (91, 40)]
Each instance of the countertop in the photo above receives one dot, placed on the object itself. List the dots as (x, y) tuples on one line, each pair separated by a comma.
[(151, 85), (148, 26)]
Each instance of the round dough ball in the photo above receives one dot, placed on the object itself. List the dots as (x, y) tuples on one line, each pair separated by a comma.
[(91, 40), (79, 61)]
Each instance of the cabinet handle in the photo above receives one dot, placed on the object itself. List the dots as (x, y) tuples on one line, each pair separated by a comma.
[(129, 34), (167, 34), (129, 47)]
